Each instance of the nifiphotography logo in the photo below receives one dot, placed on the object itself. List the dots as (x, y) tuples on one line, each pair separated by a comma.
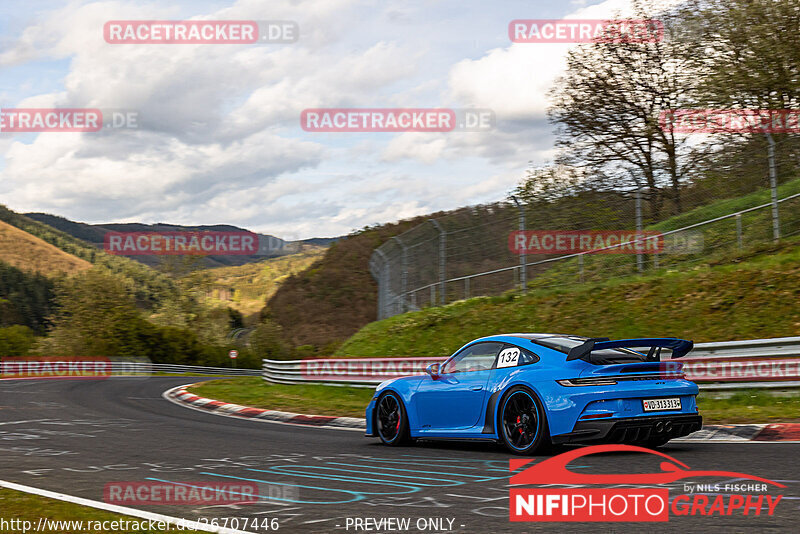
[(641, 500)]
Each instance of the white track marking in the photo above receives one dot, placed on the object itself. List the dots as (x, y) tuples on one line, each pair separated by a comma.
[(124, 510)]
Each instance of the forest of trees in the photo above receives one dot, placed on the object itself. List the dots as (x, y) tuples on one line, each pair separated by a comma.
[(715, 54)]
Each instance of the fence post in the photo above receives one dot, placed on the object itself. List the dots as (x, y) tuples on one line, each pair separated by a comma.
[(383, 286), (580, 266), (639, 258), (433, 294), (403, 274), (442, 260), (739, 230), (466, 288), (523, 258), (773, 184)]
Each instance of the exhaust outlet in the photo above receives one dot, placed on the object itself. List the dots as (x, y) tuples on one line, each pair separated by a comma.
[(668, 426), (659, 427)]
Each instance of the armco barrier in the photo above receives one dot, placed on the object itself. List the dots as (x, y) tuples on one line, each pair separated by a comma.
[(125, 367), (758, 363)]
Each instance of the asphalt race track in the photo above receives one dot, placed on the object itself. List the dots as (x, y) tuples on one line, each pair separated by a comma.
[(74, 436)]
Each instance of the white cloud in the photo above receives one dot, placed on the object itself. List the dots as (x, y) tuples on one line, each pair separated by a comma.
[(219, 138)]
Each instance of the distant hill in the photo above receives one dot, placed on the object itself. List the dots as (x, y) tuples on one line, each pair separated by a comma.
[(31, 254), (27, 266), (94, 235), (150, 287), (335, 296), (246, 288)]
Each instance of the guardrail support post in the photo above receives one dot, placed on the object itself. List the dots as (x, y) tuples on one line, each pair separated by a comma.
[(739, 230), (466, 288), (580, 267)]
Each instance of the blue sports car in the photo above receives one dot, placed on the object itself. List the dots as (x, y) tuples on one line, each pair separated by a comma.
[(529, 391)]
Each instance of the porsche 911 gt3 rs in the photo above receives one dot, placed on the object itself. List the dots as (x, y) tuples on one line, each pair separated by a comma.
[(532, 390)]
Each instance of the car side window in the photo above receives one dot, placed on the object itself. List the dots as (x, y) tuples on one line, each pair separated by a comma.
[(476, 357), (513, 356)]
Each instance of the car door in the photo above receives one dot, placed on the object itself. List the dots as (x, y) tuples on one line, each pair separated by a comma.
[(455, 399)]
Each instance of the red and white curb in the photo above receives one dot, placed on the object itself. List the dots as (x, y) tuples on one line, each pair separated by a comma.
[(181, 396), (785, 432)]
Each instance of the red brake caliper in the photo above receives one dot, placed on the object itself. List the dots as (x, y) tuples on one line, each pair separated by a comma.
[(518, 420)]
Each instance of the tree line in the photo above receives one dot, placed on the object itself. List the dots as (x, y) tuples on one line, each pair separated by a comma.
[(606, 109)]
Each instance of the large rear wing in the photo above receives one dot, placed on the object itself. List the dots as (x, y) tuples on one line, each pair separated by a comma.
[(680, 347)]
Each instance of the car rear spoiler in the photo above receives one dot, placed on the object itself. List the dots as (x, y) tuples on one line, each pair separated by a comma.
[(680, 347)]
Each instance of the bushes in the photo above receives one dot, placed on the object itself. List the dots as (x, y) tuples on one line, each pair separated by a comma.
[(25, 298), (16, 340), (98, 317)]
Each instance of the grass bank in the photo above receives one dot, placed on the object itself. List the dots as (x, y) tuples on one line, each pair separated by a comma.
[(305, 399), (27, 507), (755, 293)]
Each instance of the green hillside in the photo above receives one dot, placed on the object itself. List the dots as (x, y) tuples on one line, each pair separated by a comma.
[(334, 297), (150, 287), (247, 287), (752, 294)]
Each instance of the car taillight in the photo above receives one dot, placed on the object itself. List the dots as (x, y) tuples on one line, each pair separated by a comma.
[(573, 382), (596, 416)]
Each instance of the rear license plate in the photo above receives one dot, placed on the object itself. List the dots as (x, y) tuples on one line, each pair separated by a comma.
[(655, 405)]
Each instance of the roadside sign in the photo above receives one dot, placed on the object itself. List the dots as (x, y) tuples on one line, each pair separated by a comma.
[(233, 354)]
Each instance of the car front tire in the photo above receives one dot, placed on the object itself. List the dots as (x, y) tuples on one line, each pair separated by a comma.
[(391, 421)]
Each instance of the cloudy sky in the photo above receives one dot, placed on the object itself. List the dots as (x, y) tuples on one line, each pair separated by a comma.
[(219, 137)]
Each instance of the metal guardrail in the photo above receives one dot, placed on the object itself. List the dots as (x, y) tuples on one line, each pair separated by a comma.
[(125, 367), (197, 369), (10, 368), (758, 363)]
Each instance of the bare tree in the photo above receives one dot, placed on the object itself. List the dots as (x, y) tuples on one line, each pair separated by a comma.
[(607, 106)]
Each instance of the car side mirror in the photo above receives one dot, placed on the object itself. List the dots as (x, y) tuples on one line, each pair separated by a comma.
[(433, 370)]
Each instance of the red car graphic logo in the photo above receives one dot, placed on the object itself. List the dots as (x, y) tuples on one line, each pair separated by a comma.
[(554, 470)]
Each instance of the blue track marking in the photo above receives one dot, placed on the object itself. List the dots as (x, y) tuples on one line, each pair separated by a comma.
[(356, 495), (344, 478), (479, 477), (360, 479)]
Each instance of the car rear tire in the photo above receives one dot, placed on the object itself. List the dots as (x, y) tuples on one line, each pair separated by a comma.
[(521, 422), (391, 421)]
